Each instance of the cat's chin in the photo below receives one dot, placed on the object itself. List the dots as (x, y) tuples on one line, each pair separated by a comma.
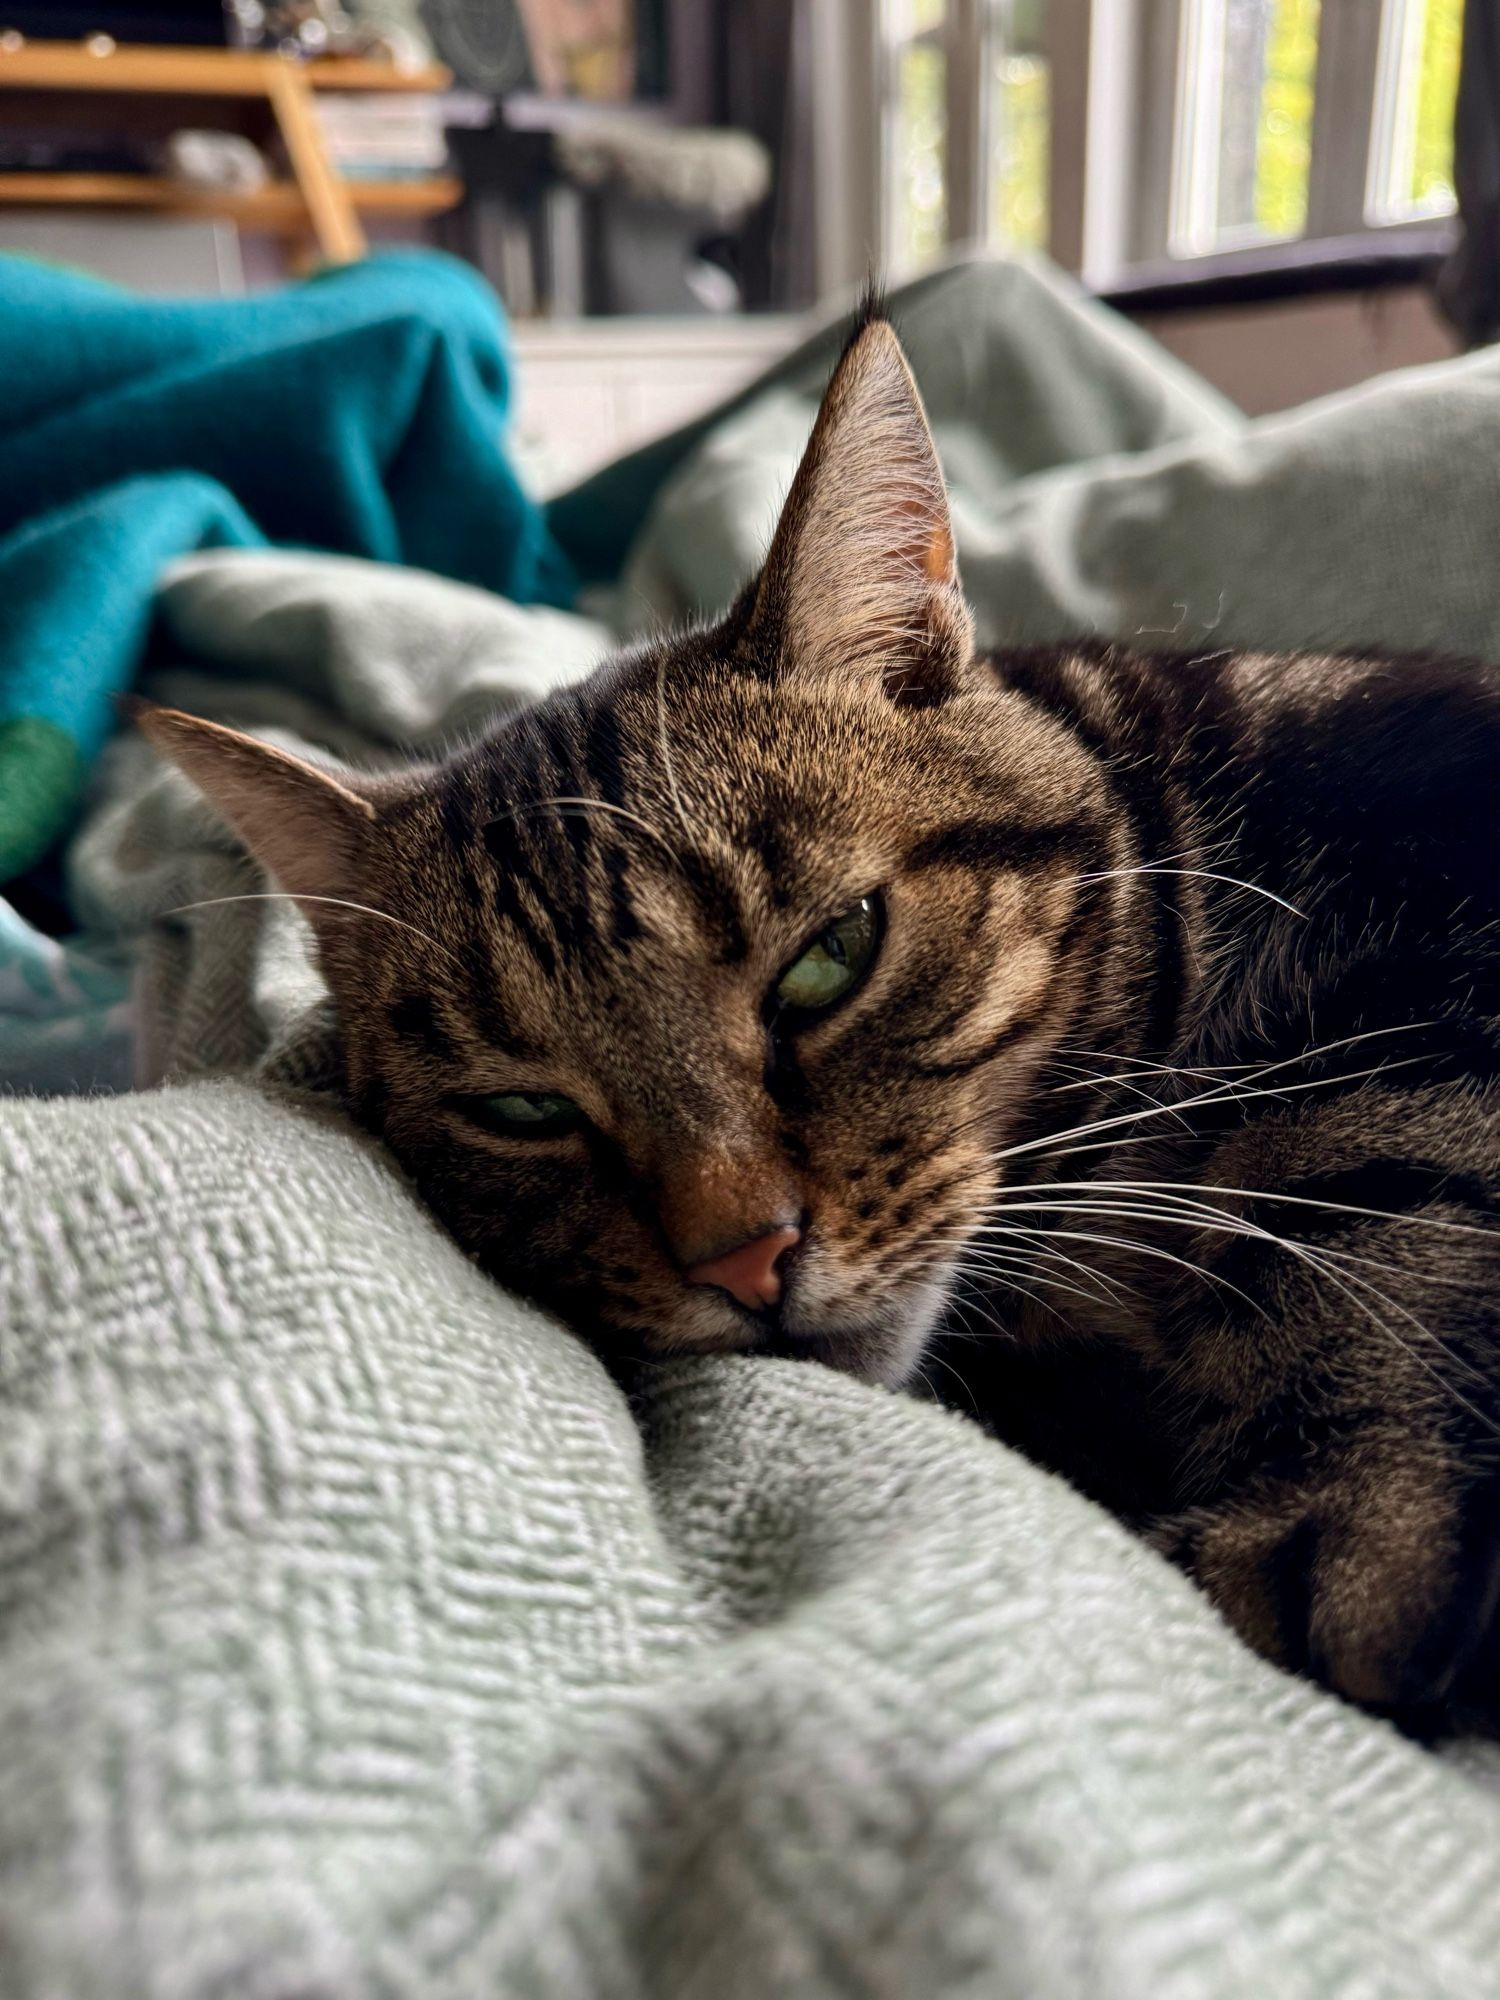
[(884, 1346), (881, 1344)]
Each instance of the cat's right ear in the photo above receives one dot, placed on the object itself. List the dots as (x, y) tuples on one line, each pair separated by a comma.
[(861, 579), (313, 832)]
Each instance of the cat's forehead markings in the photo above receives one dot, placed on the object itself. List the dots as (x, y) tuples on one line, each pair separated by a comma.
[(518, 902), (592, 851)]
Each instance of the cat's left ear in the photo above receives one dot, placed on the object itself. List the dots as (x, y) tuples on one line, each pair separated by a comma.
[(862, 576), (315, 832)]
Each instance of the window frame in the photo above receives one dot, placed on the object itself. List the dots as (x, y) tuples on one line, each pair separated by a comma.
[(1113, 170)]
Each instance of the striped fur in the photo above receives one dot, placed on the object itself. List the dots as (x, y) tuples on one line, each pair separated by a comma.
[(1166, 1118)]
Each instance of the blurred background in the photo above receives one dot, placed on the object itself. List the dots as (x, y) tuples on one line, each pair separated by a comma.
[(662, 190)]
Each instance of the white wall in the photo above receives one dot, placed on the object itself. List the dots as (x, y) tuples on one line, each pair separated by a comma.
[(589, 389)]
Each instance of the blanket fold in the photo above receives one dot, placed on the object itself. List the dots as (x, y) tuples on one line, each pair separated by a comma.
[(360, 1640), (361, 412)]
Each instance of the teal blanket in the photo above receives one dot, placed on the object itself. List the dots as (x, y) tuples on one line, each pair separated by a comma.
[(361, 412)]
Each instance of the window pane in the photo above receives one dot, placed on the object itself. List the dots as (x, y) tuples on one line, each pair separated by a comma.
[(1411, 161), (1283, 141), (916, 130), (1244, 128), (1019, 117)]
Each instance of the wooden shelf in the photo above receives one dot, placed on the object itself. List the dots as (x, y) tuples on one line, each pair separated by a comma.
[(198, 72), (316, 198), (278, 208)]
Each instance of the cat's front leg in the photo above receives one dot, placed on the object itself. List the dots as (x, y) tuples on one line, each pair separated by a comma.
[(1375, 1569), (1336, 1364)]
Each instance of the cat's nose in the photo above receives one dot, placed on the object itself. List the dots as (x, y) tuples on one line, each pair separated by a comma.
[(748, 1273)]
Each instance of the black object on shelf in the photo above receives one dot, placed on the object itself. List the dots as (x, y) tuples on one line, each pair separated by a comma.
[(65, 150), (199, 23)]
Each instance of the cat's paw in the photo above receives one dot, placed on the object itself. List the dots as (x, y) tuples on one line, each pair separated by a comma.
[(1372, 1577)]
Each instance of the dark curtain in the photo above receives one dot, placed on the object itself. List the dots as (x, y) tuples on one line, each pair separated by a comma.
[(1468, 284), (765, 87)]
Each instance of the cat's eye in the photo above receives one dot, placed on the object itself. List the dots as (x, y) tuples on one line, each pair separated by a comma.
[(832, 965), (527, 1114)]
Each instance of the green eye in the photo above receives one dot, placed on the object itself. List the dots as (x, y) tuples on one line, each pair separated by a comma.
[(833, 964), (528, 1114)]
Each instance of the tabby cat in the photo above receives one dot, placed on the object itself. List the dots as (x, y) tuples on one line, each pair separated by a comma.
[(1121, 1030)]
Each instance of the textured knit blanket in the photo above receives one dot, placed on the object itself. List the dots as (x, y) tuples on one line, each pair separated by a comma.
[(359, 1636), (361, 1640), (360, 412)]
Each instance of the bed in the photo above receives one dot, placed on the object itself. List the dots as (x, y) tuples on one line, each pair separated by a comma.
[(363, 1636)]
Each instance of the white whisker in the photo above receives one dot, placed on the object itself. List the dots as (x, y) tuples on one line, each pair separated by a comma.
[(1217, 1094), (666, 748), (1089, 1079), (1200, 1215), (991, 1259), (1136, 1248), (931, 1360), (338, 902), (1205, 874), (1481, 1417), (1036, 1243), (1198, 1188), (592, 805)]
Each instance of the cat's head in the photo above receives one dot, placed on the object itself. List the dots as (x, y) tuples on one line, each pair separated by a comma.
[(703, 994)]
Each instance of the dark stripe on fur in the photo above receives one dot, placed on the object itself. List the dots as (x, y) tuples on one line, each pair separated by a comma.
[(1003, 844), (458, 831), (764, 837), (1138, 789), (1013, 1031), (604, 757), (414, 1019), (624, 923), (504, 848), (1394, 1187), (720, 906)]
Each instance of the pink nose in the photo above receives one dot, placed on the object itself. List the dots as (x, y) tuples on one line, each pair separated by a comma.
[(748, 1273)]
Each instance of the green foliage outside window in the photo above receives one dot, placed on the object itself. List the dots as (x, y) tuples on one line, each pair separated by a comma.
[(1284, 139), (1437, 93)]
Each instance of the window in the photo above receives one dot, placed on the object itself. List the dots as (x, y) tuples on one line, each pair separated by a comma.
[(1125, 132), (1245, 79), (966, 155), (1411, 155), (916, 63), (1017, 124)]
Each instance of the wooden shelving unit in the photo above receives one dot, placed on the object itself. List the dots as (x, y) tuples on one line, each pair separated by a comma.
[(314, 200), (278, 208)]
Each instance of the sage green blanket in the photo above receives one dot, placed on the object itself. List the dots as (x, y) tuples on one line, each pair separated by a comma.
[(361, 1638)]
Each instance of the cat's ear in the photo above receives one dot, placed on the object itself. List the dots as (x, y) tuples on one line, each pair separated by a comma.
[(862, 577), (313, 832)]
